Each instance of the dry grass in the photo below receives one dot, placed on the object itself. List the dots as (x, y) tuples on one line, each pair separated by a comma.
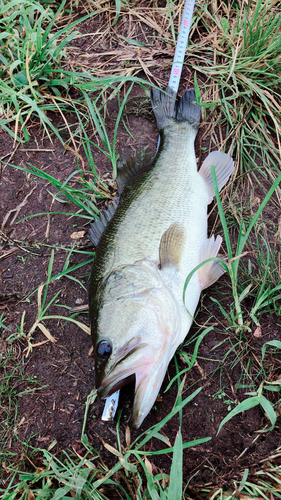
[(141, 41)]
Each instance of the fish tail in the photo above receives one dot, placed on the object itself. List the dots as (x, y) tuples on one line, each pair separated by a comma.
[(188, 109), (166, 109), (164, 106)]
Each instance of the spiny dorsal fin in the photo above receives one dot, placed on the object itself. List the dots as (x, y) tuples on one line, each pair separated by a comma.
[(171, 246), (210, 272), (97, 228), (224, 166), (127, 169)]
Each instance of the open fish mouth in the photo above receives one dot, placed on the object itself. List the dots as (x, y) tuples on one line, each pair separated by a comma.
[(108, 389), (140, 405), (144, 369), (141, 367)]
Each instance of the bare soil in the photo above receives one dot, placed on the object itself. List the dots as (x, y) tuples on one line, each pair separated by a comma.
[(65, 368)]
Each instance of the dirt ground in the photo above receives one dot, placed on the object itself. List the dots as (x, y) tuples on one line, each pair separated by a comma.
[(64, 369)]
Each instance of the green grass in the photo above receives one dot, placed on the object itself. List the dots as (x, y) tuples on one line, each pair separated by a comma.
[(33, 52), (264, 295), (42, 308), (29, 53), (237, 48), (13, 385), (88, 477)]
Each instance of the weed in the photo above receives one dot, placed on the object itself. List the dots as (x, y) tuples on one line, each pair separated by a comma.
[(12, 383), (42, 307), (2, 319), (29, 53), (243, 70), (225, 398), (234, 259), (256, 399), (88, 477)]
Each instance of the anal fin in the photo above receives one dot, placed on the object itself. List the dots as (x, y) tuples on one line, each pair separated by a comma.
[(224, 166), (210, 272)]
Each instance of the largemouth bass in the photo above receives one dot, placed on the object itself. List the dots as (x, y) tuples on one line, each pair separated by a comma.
[(148, 243)]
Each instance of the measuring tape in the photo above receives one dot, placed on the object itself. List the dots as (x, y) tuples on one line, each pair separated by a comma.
[(111, 402), (181, 45)]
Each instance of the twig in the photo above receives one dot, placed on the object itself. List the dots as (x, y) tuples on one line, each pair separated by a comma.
[(17, 209)]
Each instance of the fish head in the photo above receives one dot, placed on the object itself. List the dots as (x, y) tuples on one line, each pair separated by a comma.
[(134, 333)]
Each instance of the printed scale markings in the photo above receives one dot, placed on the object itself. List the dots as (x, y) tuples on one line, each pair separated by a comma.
[(111, 402)]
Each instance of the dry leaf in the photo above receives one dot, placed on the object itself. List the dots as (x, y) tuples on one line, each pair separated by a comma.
[(111, 449), (46, 332), (257, 332), (4, 466), (78, 235), (148, 465), (278, 234), (128, 436)]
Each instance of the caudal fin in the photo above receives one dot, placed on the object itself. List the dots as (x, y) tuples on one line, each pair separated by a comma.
[(166, 109), (188, 110), (164, 106)]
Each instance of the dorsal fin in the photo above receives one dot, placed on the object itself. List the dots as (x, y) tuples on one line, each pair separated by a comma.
[(127, 169), (97, 228), (171, 246)]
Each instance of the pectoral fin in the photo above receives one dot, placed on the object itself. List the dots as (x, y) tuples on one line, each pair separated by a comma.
[(210, 272), (224, 166), (171, 246)]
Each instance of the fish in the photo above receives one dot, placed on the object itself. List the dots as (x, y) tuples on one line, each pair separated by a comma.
[(148, 241)]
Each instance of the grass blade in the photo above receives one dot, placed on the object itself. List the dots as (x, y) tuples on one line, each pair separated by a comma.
[(176, 475)]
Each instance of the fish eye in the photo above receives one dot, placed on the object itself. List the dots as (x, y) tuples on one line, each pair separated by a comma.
[(104, 349)]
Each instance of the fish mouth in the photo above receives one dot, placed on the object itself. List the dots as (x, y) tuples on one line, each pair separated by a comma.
[(130, 366), (140, 379), (142, 366)]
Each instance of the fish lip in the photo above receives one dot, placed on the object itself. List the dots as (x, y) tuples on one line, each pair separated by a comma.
[(106, 390)]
